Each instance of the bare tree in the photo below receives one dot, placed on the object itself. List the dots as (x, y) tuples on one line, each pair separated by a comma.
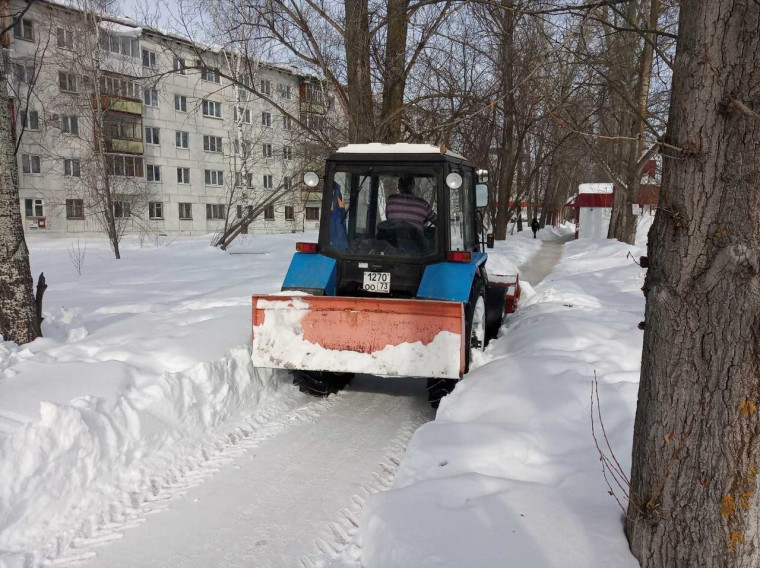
[(19, 319)]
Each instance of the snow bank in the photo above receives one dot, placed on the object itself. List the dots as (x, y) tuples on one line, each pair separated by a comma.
[(508, 473), (143, 373)]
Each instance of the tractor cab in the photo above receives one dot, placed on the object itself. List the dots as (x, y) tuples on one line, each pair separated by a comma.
[(394, 213)]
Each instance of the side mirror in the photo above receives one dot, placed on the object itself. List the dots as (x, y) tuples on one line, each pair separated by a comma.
[(481, 195)]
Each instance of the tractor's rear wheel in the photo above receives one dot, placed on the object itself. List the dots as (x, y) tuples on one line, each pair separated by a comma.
[(475, 331), (320, 383)]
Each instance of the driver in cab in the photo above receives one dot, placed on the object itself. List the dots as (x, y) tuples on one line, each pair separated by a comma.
[(407, 207)]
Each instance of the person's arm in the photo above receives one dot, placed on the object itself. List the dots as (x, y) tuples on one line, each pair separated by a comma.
[(432, 216)]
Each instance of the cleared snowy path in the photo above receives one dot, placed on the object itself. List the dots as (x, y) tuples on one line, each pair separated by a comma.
[(541, 265), (272, 506)]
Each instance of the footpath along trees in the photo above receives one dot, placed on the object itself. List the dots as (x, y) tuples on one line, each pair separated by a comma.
[(696, 453)]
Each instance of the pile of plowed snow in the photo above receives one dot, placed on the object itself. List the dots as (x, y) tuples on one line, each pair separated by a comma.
[(143, 373), (509, 473)]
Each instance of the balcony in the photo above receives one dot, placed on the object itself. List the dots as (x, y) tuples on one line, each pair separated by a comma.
[(119, 104)]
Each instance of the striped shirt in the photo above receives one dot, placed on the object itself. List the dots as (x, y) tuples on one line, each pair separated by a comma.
[(409, 208)]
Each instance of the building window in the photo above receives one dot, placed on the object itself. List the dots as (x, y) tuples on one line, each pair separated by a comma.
[(34, 208), (267, 150), (179, 66), (214, 177), (30, 164), (210, 75), (75, 208), (266, 119), (67, 82), (287, 122), (312, 213), (123, 45), (314, 92), (23, 29), (123, 127), (122, 209), (23, 73), (65, 38), (286, 183), (186, 211), (287, 153), (268, 181), (69, 124), (266, 86), (155, 210), (182, 139), (180, 103), (212, 143), (153, 172), (215, 211), (149, 58), (151, 135), (183, 175), (269, 213), (127, 166), (289, 213), (30, 120), (284, 91), (150, 97), (72, 168), (212, 108), (239, 180), (120, 87), (241, 113)]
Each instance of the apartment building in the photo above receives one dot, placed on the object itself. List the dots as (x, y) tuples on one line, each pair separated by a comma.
[(110, 114)]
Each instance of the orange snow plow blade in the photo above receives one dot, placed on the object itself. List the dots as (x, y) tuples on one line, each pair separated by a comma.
[(377, 336)]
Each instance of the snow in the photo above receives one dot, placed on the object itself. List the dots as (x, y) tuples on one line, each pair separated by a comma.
[(143, 387), (595, 188), (121, 29), (279, 343), (509, 473), (399, 148), (144, 370)]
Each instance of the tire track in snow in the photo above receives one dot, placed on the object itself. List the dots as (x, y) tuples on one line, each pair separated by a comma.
[(261, 426), (293, 500)]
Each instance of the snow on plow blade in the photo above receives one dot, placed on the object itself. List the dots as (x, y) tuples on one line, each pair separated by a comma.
[(377, 336)]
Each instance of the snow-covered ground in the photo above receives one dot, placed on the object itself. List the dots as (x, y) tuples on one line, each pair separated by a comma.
[(509, 473), (143, 374), (142, 388)]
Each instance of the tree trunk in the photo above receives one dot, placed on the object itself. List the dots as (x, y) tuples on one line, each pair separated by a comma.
[(361, 115), (17, 308), (507, 170), (394, 78), (623, 222), (696, 465)]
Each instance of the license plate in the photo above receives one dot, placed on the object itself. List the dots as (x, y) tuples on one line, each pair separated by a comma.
[(377, 282)]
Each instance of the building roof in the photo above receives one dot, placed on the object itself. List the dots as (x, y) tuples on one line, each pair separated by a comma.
[(400, 148), (649, 194)]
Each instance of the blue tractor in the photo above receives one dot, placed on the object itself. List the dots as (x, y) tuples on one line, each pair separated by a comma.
[(397, 284)]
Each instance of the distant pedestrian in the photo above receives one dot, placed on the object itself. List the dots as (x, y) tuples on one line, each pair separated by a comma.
[(535, 225)]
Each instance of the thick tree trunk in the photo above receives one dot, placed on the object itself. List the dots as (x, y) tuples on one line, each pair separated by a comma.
[(361, 114), (18, 320), (696, 454), (394, 78)]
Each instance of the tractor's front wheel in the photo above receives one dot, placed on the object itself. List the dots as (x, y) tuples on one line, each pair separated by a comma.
[(321, 383)]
